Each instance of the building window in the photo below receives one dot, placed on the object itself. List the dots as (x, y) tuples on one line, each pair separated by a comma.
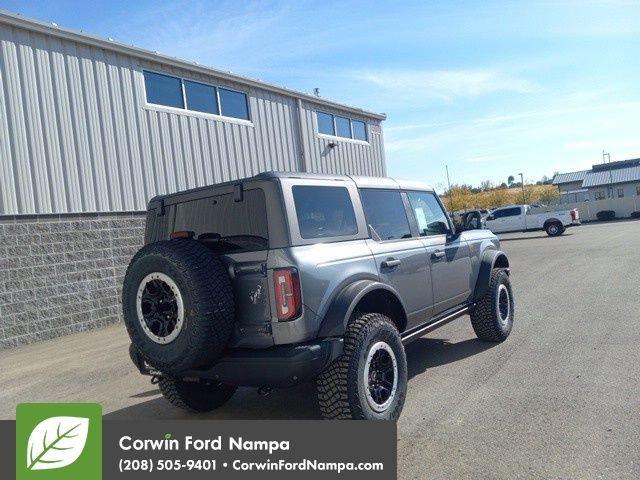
[(186, 94), (163, 90), (359, 130), (201, 97), (343, 127), (337, 126), (620, 192), (233, 104), (325, 123), (600, 195)]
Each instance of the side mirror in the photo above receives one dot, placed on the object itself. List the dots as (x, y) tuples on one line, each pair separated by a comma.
[(490, 217), (439, 228)]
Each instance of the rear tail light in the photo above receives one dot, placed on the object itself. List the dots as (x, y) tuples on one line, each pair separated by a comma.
[(286, 284), (181, 234)]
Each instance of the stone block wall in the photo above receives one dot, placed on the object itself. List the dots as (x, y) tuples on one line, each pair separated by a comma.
[(63, 274)]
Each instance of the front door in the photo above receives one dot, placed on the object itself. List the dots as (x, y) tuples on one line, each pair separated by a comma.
[(401, 258), (448, 255), (505, 220), (496, 221), (512, 218)]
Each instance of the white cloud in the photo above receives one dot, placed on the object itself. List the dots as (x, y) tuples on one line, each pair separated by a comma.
[(446, 84), (484, 158), (578, 145)]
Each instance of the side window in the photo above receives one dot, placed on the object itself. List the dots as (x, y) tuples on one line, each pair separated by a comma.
[(497, 214), (324, 211), (431, 218), (385, 213), (511, 212)]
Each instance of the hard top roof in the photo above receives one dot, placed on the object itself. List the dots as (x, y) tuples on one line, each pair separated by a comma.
[(360, 181)]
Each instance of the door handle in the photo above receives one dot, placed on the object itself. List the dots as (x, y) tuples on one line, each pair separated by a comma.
[(437, 254), (390, 263)]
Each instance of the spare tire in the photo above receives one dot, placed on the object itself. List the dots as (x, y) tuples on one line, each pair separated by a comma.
[(178, 305)]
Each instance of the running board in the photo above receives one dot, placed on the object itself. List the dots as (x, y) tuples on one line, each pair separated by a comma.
[(429, 327)]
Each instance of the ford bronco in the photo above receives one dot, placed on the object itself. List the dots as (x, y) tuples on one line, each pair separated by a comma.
[(284, 278)]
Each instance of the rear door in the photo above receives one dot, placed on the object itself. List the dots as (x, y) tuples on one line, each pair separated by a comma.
[(448, 254), (400, 256), (236, 229)]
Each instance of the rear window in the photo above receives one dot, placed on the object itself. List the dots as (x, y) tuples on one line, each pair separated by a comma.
[(324, 211), (226, 225)]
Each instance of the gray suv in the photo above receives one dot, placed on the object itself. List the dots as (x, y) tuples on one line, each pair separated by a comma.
[(285, 277)]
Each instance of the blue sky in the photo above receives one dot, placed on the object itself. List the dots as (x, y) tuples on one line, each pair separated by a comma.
[(490, 88)]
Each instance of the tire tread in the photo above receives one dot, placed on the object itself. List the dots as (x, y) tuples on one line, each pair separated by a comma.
[(333, 384), (211, 311), (483, 315)]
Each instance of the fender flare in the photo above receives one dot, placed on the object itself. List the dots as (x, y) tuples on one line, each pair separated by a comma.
[(334, 323), (487, 263)]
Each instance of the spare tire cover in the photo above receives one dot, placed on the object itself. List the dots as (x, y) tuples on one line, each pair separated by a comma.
[(178, 307)]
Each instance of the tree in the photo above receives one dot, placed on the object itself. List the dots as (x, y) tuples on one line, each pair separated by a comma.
[(486, 185), (510, 180)]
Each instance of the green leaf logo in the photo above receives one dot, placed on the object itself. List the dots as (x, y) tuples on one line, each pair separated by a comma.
[(56, 442)]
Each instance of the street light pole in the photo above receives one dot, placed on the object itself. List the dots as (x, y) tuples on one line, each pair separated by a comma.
[(610, 188), (522, 185)]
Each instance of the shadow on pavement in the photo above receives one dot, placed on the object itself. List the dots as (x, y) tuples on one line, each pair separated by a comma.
[(539, 237), (148, 393), (426, 353), (298, 402), (292, 403)]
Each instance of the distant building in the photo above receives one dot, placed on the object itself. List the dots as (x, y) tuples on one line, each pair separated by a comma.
[(606, 180)]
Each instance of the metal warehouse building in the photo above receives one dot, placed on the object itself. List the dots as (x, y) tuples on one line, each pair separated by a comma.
[(91, 129), (604, 181)]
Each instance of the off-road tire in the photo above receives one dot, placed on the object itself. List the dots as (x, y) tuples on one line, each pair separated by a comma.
[(341, 387), (207, 297), (196, 397), (485, 316), (554, 229)]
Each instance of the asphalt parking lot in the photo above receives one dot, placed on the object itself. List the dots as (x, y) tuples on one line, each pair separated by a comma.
[(559, 399)]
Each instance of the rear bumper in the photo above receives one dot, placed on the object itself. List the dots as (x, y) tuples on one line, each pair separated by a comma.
[(279, 366)]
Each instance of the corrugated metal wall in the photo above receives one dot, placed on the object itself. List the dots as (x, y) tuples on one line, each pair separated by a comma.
[(76, 135)]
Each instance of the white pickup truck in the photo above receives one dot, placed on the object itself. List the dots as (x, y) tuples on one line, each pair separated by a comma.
[(520, 218)]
